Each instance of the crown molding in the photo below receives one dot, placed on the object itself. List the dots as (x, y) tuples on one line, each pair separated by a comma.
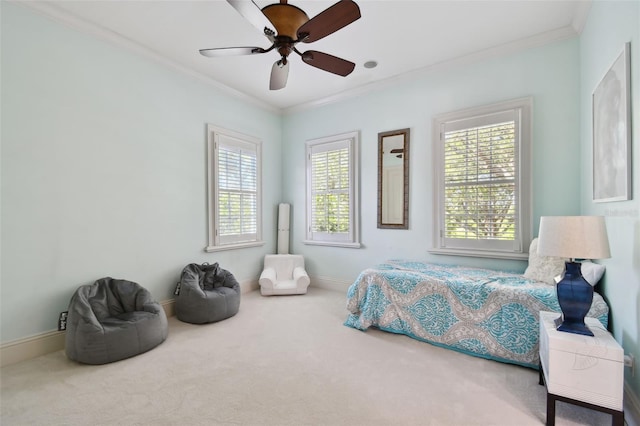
[(51, 11), (581, 16), (538, 40), (57, 14)]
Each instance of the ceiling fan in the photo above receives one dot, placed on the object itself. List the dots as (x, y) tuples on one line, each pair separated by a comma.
[(293, 26)]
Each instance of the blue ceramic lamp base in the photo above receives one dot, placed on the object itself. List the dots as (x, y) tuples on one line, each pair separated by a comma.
[(575, 295)]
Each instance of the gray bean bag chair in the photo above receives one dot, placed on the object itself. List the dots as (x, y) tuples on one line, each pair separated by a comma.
[(207, 293), (111, 320)]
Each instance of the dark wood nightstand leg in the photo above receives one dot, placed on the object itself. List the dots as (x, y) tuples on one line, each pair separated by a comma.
[(617, 418), (551, 409), (540, 375)]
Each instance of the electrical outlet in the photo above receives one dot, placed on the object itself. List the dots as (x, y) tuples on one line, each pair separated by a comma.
[(630, 361)]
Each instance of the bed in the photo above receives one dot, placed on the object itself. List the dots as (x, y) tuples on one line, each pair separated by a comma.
[(480, 312)]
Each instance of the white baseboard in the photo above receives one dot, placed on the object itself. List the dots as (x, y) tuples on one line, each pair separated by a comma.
[(169, 307), (330, 283), (52, 341), (631, 406), (31, 347), (248, 286)]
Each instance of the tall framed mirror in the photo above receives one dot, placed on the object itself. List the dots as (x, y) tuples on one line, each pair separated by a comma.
[(393, 179)]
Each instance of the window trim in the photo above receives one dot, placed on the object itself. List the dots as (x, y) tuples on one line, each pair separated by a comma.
[(213, 136), (353, 141), (524, 179)]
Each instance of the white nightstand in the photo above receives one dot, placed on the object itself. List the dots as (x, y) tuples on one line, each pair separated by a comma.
[(581, 370)]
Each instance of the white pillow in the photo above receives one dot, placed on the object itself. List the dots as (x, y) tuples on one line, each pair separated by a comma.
[(543, 268), (592, 272)]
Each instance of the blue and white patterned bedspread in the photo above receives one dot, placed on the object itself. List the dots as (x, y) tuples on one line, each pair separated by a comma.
[(480, 312)]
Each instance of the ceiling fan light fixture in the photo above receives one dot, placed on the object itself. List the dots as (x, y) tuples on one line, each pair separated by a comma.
[(279, 74), (293, 26)]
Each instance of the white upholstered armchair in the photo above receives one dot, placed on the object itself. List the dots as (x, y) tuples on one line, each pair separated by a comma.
[(283, 274)]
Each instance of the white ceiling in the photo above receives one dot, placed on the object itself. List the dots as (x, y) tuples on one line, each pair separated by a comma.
[(402, 36)]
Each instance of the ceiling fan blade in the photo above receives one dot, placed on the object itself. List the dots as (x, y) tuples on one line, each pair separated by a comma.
[(252, 13), (327, 62), (231, 51), (279, 74), (329, 21)]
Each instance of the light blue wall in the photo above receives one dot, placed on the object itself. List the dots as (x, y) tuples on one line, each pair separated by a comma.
[(549, 74), (609, 26), (104, 171)]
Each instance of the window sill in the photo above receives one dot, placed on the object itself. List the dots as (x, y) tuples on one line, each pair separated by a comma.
[(332, 244), (210, 249), (481, 253)]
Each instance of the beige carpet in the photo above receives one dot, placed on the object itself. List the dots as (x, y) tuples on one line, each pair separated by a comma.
[(284, 360)]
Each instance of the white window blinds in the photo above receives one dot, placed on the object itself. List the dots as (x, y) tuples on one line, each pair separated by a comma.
[(237, 192), (331, 190), (483, 201), (480, 180), (234, 193), (330, 187)]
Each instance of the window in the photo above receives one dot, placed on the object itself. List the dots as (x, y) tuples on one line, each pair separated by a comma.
[(332, 191), (234, 193), (483, 179)]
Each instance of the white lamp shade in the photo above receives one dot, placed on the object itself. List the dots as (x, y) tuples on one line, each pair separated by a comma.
[(575, 237)]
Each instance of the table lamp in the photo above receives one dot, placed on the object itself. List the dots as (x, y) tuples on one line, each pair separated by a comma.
[(574, 237)]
